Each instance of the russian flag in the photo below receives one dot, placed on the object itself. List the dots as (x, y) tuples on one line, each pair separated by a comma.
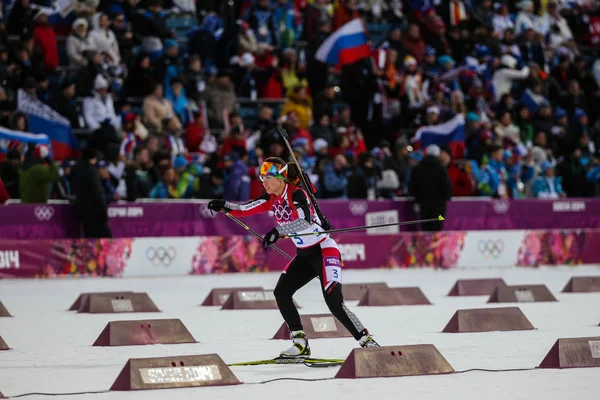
[(7, 136), (451, 133), (345, 46), (43, 119)]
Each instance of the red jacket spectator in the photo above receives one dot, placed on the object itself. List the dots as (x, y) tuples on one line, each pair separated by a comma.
[(4, 196), (44, 39), (271, 87), (461, 182), (346, 11), (194, 133)]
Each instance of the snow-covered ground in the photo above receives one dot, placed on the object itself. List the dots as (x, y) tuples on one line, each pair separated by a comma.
[(52, 348)]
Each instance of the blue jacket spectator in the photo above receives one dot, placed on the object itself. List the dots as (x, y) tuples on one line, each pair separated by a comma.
[(493, 176), (547, 185), (237, 181), (334, 181)]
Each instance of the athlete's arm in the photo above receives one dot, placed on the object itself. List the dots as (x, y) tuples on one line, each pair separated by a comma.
[(259, 205), (304, 220)]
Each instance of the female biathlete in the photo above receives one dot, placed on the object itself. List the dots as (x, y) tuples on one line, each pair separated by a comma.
[(317, 256)]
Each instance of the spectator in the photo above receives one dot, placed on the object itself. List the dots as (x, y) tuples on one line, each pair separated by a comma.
[(262, 22), (315, 16), (193, 79), (195, 132), (502, 20), (504, 76), (20, 17), (457, 173), (414, 43), (37, 174), (124, 36), (45, 40), (322, 130), (237, 182), (141, 80), (363, 179), (179, 101), (90, 200), (431, 188), (62, 189), (110, 191), (300, 103), (78, 43), (211, 185), (99, 108), (547, 186), (138, 179), (246, 39), (158, 112), (103, 40), (9, 173), (554, 26), (531, 49), (345, 12), (493, 175), (166, 187), (85, 77), (334, 180), (220, 100), (526, 18), (484, 15), (67, 105)]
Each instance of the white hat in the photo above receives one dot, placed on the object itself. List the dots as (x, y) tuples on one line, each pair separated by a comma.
[(433, 150), (508, 60), (41, 12), (433, 110), (523, 4), (80, 21), (247, 59), (100, 82), (319, 144)]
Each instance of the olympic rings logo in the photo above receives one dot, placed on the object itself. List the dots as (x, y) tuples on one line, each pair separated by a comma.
[(490, 248), (161, 255), (358, 208), (282, 213), (44, 213)]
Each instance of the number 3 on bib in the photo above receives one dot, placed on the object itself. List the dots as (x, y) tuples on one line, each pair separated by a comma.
[(333, 270)]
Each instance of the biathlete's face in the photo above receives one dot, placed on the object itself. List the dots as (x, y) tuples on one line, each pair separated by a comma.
[(272, 184)]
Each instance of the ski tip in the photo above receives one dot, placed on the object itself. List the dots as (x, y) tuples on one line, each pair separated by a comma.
[(440, 218)]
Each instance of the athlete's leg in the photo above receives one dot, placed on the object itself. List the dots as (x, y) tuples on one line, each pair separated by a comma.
[(294, 276), (331, 283)]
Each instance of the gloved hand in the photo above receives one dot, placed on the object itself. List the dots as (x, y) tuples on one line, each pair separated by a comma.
[(270, 238), (216, 205)]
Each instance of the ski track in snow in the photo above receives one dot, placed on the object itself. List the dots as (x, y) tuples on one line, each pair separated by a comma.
[(52, 348)]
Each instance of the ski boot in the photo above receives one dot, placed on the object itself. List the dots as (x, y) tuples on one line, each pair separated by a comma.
[(367, 341), (299, 349)]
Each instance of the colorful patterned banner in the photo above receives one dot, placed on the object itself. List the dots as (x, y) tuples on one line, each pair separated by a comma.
[(210, 255)]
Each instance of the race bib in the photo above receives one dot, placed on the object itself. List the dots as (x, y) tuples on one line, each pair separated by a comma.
[(333, 271)]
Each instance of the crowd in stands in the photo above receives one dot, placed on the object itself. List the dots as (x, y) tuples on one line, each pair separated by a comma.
[(190, 110)]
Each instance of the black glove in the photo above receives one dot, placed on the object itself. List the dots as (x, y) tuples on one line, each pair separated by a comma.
[(270, 238), (216, 205)]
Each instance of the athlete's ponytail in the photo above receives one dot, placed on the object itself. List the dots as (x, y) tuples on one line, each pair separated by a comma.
[(293, 172)]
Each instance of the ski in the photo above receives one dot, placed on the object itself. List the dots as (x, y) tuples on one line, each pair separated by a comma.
[(308, 361)]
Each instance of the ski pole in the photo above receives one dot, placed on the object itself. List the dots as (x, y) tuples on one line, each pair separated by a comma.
[(305, 180), (252, 231), (358, 228)]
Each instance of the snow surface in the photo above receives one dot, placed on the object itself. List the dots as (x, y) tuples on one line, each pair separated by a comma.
[(53, 352)]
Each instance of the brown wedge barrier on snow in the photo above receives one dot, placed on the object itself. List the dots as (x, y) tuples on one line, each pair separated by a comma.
[(405, 296), (387, 361), (3, 311), (316, 326), (521, 294), (84, 296), (2, 396), (354, 291), (3, 345), (488, 320), (573, 353), (174, 372), (152, 331), (250, 300), (583, 284), (475, 287), (124, 303), (218, 296)]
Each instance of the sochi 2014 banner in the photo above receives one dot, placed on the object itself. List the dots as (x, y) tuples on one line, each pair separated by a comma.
[(215, 255)]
